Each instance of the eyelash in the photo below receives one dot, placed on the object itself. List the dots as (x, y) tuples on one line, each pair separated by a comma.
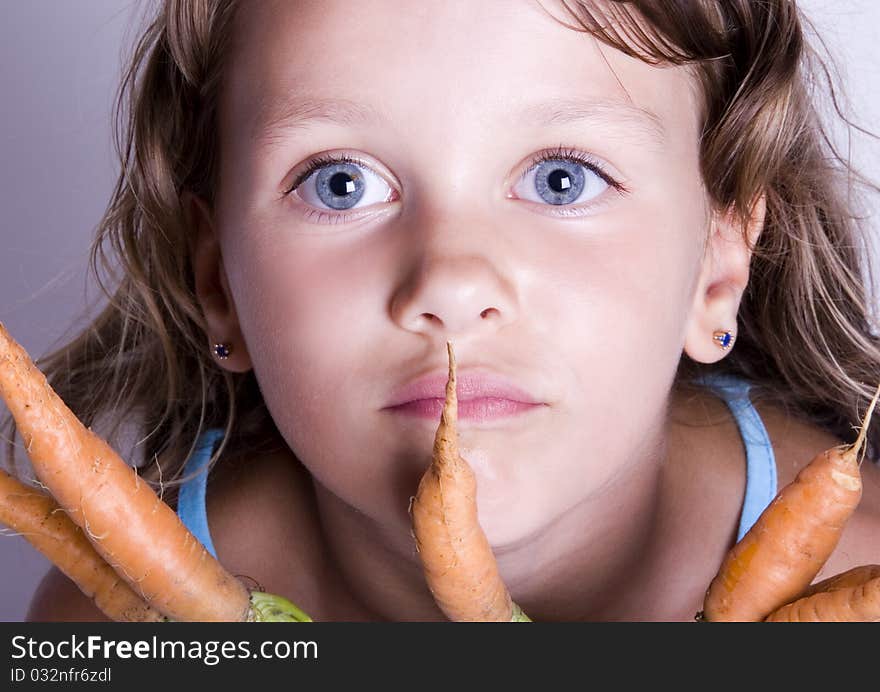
[(568, 154), (558, 153)]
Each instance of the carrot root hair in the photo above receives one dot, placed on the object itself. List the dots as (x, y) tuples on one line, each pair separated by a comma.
[(859, 445)]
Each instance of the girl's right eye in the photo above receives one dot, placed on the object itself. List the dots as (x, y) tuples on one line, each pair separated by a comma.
[(339, 183)]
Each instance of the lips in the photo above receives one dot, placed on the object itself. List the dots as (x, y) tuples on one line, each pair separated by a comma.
[(469, 385)]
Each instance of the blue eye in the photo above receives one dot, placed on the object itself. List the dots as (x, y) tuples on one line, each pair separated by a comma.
[(560, 182), (340, 185), (566, 176), (340, 182)]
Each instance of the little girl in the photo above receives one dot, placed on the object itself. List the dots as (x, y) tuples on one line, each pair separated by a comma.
[(626, 217)]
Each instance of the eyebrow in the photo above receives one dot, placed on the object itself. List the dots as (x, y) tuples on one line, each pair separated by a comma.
[(570, 110), (298, 112), (295, 113)]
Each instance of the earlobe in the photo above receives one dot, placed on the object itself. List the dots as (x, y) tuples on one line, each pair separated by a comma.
[(212, 288), (712, 330)]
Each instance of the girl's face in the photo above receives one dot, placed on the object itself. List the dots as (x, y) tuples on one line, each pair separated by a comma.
[(574, 278)]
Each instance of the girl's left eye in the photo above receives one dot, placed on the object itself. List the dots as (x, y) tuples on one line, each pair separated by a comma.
[(563, 177), (341, 182)]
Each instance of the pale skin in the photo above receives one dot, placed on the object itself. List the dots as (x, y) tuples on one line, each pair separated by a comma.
[(617, 500)]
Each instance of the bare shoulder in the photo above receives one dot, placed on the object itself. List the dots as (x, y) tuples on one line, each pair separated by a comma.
[(261, 517), (58, 599), (795, 443), (265, 525)]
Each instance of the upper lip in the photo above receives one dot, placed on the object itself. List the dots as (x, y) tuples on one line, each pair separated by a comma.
[(470, 384)]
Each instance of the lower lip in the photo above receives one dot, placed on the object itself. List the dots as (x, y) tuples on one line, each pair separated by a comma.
[(488, 408)]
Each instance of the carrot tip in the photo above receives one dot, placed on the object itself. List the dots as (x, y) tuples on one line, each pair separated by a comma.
[(863, 432), (451, 394), (445, 440)]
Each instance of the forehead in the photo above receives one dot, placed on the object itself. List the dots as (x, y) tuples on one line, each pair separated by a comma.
[(405, 65)]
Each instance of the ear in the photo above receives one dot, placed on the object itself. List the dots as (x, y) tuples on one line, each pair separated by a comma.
[(723, 279), (212, 286)]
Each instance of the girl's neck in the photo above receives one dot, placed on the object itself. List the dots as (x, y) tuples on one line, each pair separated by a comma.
[(600, 560)]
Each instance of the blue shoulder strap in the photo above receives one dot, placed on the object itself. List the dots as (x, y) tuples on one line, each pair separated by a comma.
[(191, 497), (761, 483)]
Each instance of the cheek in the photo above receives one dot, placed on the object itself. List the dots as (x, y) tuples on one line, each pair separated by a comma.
[(315, 338), (299, 297), (621, 297), (623, 290)]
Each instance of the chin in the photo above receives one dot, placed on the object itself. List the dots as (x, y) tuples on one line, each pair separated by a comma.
[(509, 526), (514, 504)]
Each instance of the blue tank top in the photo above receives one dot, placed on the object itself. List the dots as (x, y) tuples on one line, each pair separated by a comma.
[(760, 463)]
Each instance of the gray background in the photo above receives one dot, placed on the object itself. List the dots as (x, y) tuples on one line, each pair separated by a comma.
[(59, 67)]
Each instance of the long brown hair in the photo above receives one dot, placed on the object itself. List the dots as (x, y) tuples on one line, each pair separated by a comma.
[(805, 332)]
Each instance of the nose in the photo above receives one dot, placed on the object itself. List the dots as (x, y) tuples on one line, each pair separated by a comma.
[(453, 295)]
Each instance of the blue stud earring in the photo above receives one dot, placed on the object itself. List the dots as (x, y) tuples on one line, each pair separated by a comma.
[(724, 338), (222, 351)]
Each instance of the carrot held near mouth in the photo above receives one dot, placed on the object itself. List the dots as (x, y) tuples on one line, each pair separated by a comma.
[(131, 528), (459, 566)]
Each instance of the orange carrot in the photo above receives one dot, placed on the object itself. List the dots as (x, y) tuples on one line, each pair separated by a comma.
[(852, 596), (128, 524), (458, 562), (782, 553), (45, 525), (844, 580)]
